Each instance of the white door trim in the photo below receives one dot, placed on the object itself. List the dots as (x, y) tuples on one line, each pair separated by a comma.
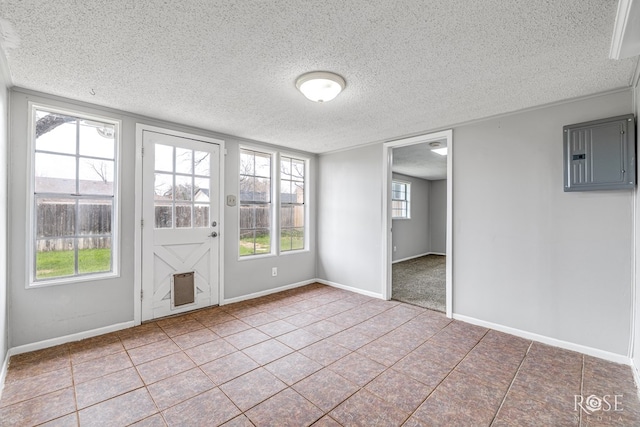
[(387, 158), (137, 284)]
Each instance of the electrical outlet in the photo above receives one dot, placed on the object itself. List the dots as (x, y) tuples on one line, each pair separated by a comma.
[(395, 248), (274, 271)]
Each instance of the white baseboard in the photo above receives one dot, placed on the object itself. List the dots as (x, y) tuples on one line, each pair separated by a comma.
[(590, 351), (68, 338), (349, 288), (418, 256), (267, 292)]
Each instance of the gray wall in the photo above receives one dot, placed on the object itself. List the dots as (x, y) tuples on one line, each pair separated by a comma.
[(526, 254), (4, 146), (43, 313), (636, 327), (438, 216), (411, 236), (350, 218)]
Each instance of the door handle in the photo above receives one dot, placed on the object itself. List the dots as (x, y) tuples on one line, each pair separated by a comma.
[(213, 234)]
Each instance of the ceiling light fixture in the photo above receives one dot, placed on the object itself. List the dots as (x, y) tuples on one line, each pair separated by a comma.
[(320, 86), (442, 151)]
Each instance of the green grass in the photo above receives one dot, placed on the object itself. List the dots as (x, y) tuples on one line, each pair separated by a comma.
[(263, 244), (61, 263)]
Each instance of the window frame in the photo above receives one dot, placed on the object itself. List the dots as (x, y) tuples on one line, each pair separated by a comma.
[(273, 250), (31, 210), (307, 167), (407, 198)]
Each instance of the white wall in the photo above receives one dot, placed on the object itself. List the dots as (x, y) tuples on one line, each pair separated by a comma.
[(4, 146), (44, 313), (528, 255), (635, 353), (350, 218), (411, 236), (438, 216)]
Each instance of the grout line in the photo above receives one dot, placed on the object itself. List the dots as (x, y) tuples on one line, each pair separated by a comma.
[(504, 399)]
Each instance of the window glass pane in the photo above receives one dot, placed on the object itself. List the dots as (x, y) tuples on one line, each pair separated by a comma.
[(55, 217), (201, 190), (201, 216), (285, 168), (246, 163), (183, 188), (55, 174), (298, 216), (55, 258), (247, 216), (247, 242), (183, 216), (163, 187), (247, 185), (94, 255), (263, 241), (297, 238), (298, 190), (297, 170), (286, 193), (97, 139), (163, 158), (163, 214), (184, 160), (286, 216), (285, 240), (55, 132), (96, 176), (202, 163), (262, 190), (263, 165), (263, 216), (94, 216)]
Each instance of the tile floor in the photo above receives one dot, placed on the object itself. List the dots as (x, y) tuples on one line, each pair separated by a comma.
[(314, 355)]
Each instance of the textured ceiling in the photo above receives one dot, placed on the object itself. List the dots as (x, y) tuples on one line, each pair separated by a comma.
[(419, 161), (230, 66)]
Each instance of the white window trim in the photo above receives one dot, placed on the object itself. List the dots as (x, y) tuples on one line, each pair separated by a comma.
[(408, 199), (274, 201), (307, 186), (115, 220)]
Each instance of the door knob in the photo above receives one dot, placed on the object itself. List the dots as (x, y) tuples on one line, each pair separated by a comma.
[(213, 234)]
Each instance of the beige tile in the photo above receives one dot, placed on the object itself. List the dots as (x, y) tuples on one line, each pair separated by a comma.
[(179, 388), (36, 385), (252, 388), (104, 388), (119, 411), (298, 339), (286, 408), (211, 408), (277, 328), (39, 409), (70, 420), (152, 421)]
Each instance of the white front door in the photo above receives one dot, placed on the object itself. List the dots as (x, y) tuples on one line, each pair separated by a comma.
[(180, 208)]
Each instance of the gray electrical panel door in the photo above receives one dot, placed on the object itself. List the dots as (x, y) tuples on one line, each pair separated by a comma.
[(600, 155)]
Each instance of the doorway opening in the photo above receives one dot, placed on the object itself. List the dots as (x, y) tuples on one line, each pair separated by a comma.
[(417, 237)]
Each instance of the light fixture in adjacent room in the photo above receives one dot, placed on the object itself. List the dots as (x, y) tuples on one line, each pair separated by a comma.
[(320, 86), (437, 148)]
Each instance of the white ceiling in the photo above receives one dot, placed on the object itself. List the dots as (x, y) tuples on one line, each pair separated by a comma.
[(230, 66), (419, 161)]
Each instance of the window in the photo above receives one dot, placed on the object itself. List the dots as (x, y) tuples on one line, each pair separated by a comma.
[(181, 187), (292, 205), (255, 202), (74, 200), (400, 198)]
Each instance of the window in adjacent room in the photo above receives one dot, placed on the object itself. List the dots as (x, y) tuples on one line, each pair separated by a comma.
[(74, 199), (255, 202), (400, 199), (292, 204)]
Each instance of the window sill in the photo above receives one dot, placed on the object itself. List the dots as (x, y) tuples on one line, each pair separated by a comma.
[(72, 280), (297, 251), (254, 257)]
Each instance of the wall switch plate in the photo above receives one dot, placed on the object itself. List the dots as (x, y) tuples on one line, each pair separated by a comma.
[(274, 271), (231, 200)]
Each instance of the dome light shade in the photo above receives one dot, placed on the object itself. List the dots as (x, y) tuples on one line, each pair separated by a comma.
[(320, 86)]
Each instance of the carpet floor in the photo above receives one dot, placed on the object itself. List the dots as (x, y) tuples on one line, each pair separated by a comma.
[(421, 281)]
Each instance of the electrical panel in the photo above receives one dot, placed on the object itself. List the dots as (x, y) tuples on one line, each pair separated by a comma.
[(600, 155)]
